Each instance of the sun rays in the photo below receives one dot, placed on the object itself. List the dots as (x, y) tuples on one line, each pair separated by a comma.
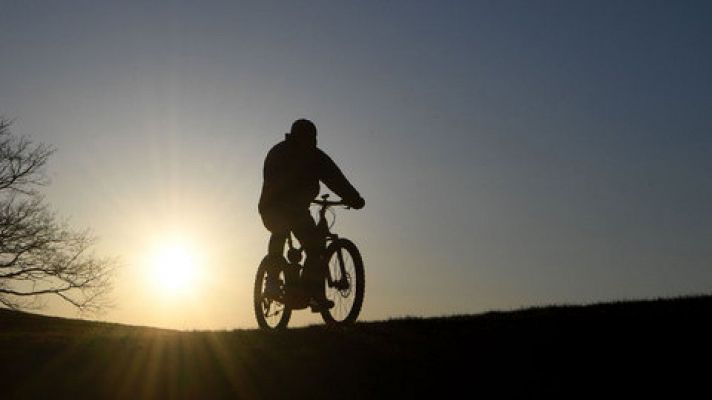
[(175, 268)]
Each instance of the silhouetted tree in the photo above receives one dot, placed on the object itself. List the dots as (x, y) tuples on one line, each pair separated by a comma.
[(39, 255)]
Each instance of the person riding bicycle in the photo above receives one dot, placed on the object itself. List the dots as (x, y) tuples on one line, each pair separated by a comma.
[(292, 171)]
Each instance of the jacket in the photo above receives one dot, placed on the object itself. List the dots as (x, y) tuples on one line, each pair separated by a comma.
[(292, 175)]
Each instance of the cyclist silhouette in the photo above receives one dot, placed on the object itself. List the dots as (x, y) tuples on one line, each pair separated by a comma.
[(293, 169)]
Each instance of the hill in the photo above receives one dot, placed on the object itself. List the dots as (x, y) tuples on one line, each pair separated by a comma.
[(640, 348)]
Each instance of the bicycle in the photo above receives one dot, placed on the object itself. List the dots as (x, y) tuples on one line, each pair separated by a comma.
[(344, 280)]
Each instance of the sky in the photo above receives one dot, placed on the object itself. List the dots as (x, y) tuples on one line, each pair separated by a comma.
[(511, 153)]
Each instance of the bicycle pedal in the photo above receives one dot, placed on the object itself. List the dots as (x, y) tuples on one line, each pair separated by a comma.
[(319, 306)]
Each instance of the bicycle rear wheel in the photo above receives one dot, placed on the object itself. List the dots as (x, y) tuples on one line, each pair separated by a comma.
[(270, 311), (345, 283)]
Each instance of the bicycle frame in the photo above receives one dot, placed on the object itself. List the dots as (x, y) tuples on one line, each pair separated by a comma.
[(289, 289), (325, 236)]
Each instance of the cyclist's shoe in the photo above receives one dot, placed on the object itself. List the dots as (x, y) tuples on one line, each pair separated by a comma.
[(319, 305)]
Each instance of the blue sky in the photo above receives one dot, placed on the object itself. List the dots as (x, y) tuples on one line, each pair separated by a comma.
[(510, 153)]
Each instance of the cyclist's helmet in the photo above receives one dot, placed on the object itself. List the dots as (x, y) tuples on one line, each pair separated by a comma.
[(304, 132)]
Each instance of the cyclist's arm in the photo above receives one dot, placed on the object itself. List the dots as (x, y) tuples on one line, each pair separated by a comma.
[(334, 179)]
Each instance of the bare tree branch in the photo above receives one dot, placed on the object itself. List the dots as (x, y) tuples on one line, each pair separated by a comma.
[(40, 256)]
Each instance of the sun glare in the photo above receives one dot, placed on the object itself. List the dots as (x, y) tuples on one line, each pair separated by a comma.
[(175, 268)]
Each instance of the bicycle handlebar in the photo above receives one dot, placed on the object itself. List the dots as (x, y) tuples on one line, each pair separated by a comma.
[(328, 203)]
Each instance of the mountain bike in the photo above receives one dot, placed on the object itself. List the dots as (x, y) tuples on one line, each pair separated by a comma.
[(342, 267)]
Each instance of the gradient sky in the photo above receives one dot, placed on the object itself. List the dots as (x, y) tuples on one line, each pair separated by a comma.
[(510, 153)]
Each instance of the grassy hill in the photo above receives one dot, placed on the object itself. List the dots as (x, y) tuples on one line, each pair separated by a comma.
[(631, 349)]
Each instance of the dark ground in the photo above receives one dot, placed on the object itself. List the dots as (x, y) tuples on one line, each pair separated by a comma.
[(629, 349)]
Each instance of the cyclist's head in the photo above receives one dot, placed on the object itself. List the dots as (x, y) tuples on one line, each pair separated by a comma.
[(304, 132)]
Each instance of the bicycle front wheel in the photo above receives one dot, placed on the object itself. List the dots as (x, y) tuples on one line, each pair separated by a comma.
[(345, 282)]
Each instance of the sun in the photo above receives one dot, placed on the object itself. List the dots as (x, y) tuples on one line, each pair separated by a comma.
[(175, 268)]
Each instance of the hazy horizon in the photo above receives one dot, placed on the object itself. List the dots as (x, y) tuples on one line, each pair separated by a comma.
[(510, 153)]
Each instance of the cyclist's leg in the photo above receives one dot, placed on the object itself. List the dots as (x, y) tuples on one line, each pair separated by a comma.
[(276, 244), (278, 224), (305, 230)]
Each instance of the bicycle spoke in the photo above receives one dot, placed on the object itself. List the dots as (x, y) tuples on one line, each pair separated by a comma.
[(273, 312), (341, 270)]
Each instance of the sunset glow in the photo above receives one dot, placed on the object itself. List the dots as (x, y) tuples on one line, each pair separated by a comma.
[(510, 154), (175, 268)]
